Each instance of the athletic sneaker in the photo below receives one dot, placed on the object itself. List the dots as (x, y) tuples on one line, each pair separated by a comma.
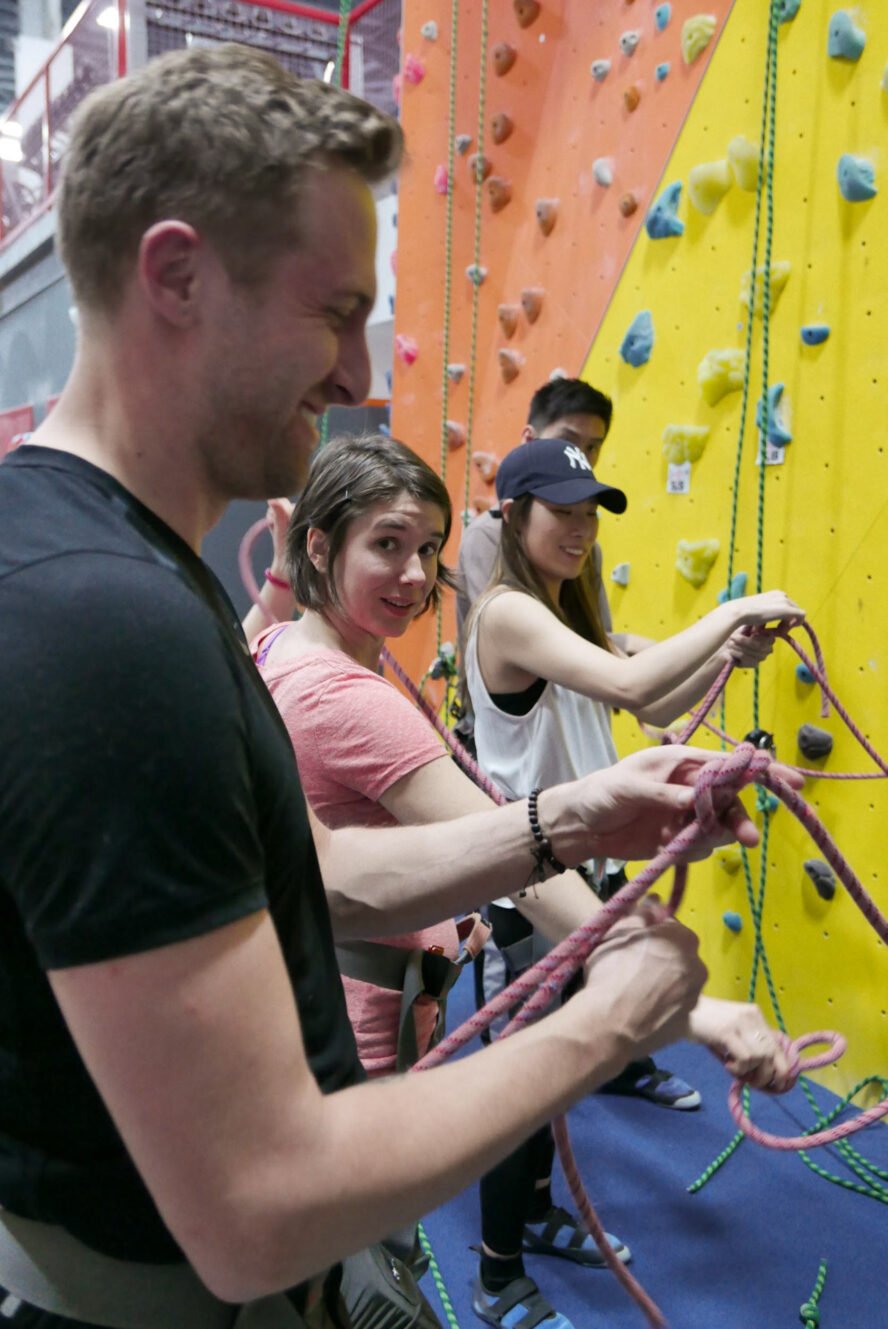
[(642, 1079)]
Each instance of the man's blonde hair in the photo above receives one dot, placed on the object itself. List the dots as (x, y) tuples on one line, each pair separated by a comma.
[(218, 137)]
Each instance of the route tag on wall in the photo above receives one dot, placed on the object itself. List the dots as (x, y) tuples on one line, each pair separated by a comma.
[(678, 479)]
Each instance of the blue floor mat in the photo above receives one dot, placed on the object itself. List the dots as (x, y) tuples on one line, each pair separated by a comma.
[(742, 1253)]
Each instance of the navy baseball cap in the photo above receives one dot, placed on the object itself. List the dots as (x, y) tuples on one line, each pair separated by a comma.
[(556, 470)]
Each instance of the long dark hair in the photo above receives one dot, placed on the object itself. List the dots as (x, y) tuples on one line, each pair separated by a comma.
[(347, 478)]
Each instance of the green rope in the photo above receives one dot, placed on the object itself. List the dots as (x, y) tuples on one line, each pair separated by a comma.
[(446, 1303), (476, 283), (809, 1311), (341, 37)]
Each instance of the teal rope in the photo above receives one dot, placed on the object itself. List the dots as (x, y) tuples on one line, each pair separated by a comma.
[(476, 284), (434, 1270)]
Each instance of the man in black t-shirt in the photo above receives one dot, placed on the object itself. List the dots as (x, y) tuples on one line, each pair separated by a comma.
[(181, 1129)]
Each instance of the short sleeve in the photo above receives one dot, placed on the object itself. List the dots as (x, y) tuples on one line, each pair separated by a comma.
[(128, 809)]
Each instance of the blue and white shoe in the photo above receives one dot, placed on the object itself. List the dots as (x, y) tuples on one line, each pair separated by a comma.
[(559, 1233), (519, 1305)]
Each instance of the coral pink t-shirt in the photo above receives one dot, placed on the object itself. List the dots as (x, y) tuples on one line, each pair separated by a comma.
[(354, 736)]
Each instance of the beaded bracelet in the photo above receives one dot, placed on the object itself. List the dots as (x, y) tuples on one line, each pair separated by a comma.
[(275, 580), (542, 850)]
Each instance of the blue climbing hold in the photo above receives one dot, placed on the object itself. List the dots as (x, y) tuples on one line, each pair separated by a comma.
[(815, 334), (736, 590), (663, 220), (846, 39), (772, 425), (663, 15), (732, 920), (662, 71), (803, 674), (857, 178), (787, 10), (639, 340)]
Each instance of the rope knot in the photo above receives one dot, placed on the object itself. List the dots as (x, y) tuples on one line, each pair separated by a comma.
[(809, 1314), (720, 780)]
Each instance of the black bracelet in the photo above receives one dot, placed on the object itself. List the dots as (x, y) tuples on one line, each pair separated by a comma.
[(542, 851)]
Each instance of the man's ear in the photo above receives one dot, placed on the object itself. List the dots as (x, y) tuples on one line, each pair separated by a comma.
[(527, 433), (169, 257), (506, 507), (317, 546)]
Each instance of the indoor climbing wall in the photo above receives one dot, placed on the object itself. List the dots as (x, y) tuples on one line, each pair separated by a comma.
[(550, 267)]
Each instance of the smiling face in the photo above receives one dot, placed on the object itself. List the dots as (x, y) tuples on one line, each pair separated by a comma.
[(280, 351), (557, 539), (384, 572)]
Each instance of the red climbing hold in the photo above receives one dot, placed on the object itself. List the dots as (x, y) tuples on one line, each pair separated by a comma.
[(504, 57), (501, 127), (406, 349), (546, 214), (526, 12), (532, 302), (508, 318), (499, 191)]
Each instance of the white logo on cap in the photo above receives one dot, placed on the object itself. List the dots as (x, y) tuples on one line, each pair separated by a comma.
[(577, 457)]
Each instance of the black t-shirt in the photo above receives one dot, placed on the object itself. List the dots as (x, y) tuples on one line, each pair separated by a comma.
[(148, 794)]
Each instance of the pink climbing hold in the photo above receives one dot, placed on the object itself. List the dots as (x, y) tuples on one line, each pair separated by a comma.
[(414, 69), (442, 180), (406, 348)]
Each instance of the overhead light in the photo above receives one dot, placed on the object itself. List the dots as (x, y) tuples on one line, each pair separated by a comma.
[(11, 129), (329, 71), (109, 18), (10, 151)]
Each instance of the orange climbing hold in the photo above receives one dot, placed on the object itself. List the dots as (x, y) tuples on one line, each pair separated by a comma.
[(488, 464), (632, 97), (501, 127), (510, 363), (479, 167), (546, 214), (526, 12), (499, 191), (508, 318), (628, 204), (504, 57), (532, 302)]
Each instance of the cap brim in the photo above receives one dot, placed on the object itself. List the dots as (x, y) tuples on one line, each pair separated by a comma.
[(579, 490)]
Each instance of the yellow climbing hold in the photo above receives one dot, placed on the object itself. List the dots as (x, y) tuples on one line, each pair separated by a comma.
[(708, 184), (730, 858), (695, 559), (696, 34), (683, 443), (745, 159), (779, 277), (721, 372)]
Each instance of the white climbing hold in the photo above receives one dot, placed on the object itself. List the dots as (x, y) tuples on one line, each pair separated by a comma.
[(620, 574), (429, 30), (603, 170), (629, 40), (600, 70)]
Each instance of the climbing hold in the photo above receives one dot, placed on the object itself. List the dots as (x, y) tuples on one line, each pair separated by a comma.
[(558, 373), (429, 30), (638, 343), (600, 70), (730, 858), (745, 159), (696, 34), (707, 185), (632, 97), (456, 435), (857, 178), (736, 590), (456, 372), (501, 127), (603, 170), (476, 273), (694, 559), (732, 921), (462, 143), (787, 10), (532, 302), (413, 70), (773, 425), (629, 40), (628, 203), (815, 334), (526, 12), (779, 277), (822, 876), (683, 443), (406, 348), (504, 57), (721, 372), (814, 743), (508, 318), (803, 674), (662, 71), (663, 221), (510, 363), (766, 803), (662, 16), (620, 574), (846, 39), (488, 464), (444, 663), (546, 214), (499, 191), (480, 167), (442, 180)]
